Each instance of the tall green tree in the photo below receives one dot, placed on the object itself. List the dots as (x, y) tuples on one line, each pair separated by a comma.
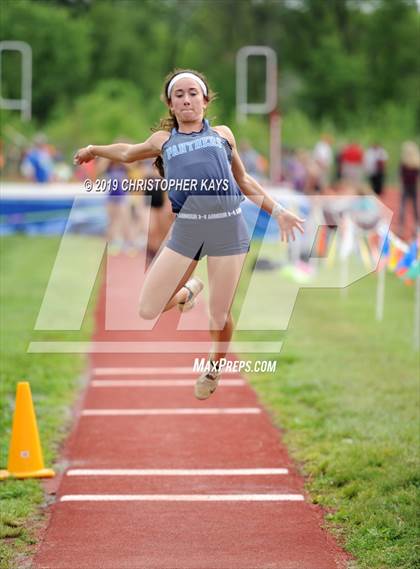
[(61, 52), (392, 45), (338, 59)]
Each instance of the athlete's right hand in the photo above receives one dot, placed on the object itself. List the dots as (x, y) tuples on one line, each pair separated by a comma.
[(83, 155)]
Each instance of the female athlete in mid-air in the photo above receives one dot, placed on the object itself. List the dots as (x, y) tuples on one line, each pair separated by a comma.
[(207, 181)]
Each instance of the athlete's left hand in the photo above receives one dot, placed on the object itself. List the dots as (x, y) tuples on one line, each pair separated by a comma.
[(288, 222)]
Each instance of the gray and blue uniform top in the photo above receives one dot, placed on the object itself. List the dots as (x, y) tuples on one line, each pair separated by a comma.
[(201, 164)]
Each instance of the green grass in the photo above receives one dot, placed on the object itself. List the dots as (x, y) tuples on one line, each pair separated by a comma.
[(345, 396), (55, 379)]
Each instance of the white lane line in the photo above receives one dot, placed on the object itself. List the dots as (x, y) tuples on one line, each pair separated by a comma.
[(155, 347), (176, 411), (159, 382), (151, 370), (176, 471), (182, 498)]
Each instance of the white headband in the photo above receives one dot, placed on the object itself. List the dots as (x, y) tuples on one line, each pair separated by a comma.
[(185, 76)]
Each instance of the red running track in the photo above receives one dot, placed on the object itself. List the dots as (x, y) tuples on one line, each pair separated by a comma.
[(179, 517)]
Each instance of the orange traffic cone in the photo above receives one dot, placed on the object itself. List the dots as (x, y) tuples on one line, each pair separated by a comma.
[(25, 454)]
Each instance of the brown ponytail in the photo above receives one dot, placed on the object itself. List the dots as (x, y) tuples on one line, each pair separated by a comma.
[(170, 122)]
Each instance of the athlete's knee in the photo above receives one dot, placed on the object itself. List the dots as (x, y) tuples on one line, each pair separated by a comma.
[(147, 311)]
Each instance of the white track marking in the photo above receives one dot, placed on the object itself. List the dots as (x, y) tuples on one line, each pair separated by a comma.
[(182, 498), (160, 382), (155, 347), (148, 370), (176, 411), (177, 472)]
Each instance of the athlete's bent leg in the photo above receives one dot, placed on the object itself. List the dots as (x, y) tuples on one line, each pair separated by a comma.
[(163, 283)]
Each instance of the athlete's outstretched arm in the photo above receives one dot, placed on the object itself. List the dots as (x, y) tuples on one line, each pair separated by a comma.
[(122, 152), (255, 192), (249, 185)]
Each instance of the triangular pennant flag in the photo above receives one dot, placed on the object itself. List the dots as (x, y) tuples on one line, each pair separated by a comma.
[(395, 255), (413, 272), (407, 260)]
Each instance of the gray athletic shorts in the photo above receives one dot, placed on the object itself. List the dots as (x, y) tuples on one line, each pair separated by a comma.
[(196, 238)]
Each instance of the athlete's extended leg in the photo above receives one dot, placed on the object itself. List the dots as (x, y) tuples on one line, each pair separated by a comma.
[(163, 283), (224, 274)]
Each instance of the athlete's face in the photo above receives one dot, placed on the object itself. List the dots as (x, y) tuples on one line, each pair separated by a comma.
[(187, 100)]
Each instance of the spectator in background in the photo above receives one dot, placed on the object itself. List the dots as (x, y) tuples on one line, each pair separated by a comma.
[(137, 216), (324, 157), (118, 232), (302, 171), (160, 216), (337, 165), (37, 164), (255, 164), (294, 170), (351, 162), (409, 175), (375, 161), (312, 172), (365, 211), (62, 171)]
